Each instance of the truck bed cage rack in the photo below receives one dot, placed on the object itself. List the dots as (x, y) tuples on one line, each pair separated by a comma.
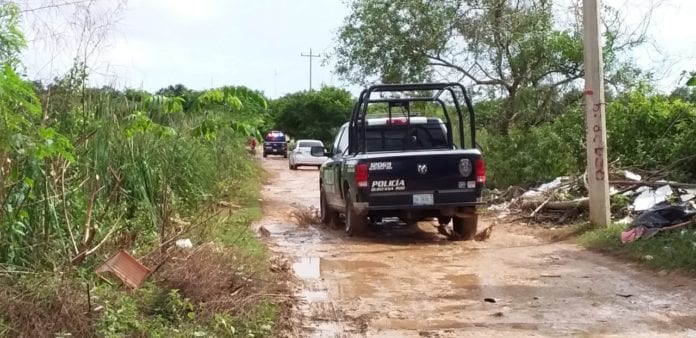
[(358, 122)]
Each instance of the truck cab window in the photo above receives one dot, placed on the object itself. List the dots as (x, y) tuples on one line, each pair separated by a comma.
[(341, 143)]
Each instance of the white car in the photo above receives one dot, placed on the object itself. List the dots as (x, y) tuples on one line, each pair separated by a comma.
[(300, 156)]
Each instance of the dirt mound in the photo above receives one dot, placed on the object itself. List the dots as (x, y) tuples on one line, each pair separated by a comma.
[(221, 280)]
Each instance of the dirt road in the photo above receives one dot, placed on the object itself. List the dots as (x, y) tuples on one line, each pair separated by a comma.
[(413, 282)]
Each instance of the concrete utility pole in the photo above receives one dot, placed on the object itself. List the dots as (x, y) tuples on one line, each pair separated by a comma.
[(310, 56), (597, 168)]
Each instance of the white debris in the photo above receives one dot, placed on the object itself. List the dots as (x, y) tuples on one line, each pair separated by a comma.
[(664, 191), (625, 220), (649, 198), (500, 207), (643, 188), (553, 184), (636, 191), (184, 243), (546, 187), (687, 197), (531, 194), (632, 176)]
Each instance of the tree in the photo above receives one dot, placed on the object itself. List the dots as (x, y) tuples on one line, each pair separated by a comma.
[(174, 90), (315, 114), (510, 46), (691, 82)]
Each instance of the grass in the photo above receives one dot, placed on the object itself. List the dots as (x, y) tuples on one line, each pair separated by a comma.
[(188, 296), (234, 229), (4, 328), (671, 250)]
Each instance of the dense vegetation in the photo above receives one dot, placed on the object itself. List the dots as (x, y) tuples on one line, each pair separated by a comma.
[(85, 171), (646, 130), (523, 66), (313, 115)]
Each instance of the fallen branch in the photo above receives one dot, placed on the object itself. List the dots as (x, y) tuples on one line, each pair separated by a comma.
[(82, 255), (676, 226), (540, 207), (88, 234), (562, 205), (654, 184), (574, 204), (65, 206), (181, 232)]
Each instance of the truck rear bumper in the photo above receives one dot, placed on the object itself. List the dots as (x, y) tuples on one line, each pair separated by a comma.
[(457, 203), (437, 200)]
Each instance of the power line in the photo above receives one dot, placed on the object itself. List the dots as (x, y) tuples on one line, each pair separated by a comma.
[(311, 57)]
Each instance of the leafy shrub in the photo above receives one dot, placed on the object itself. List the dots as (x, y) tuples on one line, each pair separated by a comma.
[(644, 130)]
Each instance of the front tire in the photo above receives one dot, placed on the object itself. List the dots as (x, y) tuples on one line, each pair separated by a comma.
[(265, 154), (328, 215), (465, 228), (355, 224)]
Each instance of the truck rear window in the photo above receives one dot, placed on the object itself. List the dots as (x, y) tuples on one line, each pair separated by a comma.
[(309, 144), (275, 137), (410, 137)]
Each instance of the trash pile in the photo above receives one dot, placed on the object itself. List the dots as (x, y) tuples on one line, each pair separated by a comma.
[(649, 206)]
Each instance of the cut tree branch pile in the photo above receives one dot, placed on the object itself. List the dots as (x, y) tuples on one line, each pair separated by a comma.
[(563, 199)]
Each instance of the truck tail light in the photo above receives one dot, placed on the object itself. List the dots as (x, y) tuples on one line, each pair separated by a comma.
[(480, 171), (361, 175)]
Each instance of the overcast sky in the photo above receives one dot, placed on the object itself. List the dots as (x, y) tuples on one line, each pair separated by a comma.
[(257, 43)]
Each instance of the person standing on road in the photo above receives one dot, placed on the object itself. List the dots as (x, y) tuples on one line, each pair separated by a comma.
[(252, 145)]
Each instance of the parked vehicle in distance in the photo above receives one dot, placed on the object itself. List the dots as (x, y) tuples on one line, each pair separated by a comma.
[(275, 143), (301, 155), (404, 165)]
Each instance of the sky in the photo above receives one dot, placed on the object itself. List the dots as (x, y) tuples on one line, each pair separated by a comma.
[(150, 44)]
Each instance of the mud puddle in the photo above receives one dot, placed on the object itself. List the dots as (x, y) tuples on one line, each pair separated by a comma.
[(412, 282)]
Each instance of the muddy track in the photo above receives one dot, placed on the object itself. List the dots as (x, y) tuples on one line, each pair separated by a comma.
[(402, 282)]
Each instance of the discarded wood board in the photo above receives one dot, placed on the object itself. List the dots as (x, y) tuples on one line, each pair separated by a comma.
[(124, 267)]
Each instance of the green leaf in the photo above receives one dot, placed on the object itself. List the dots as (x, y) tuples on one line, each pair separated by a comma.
[(692, 81)]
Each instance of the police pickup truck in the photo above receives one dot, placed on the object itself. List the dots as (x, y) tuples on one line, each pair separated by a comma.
[(402, 164)]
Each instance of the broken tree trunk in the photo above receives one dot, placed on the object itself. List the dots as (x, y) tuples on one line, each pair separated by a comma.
[(562, 205), (656, 184)]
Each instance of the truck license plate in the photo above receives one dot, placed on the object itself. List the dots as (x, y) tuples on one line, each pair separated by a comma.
[(422, 199)]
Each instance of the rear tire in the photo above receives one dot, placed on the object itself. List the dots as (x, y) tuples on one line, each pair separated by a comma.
[(355, 224), (328, 215), (465, 228), (264, 154), (285, 155), (292, 167)]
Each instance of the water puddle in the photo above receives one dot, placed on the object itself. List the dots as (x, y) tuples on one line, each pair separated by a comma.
[(324, 329), (416, 324), (468, 281), (307, 267), (349, 266)]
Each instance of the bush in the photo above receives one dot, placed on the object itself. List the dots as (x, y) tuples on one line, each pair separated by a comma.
[(644, 131), (315, 115)]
